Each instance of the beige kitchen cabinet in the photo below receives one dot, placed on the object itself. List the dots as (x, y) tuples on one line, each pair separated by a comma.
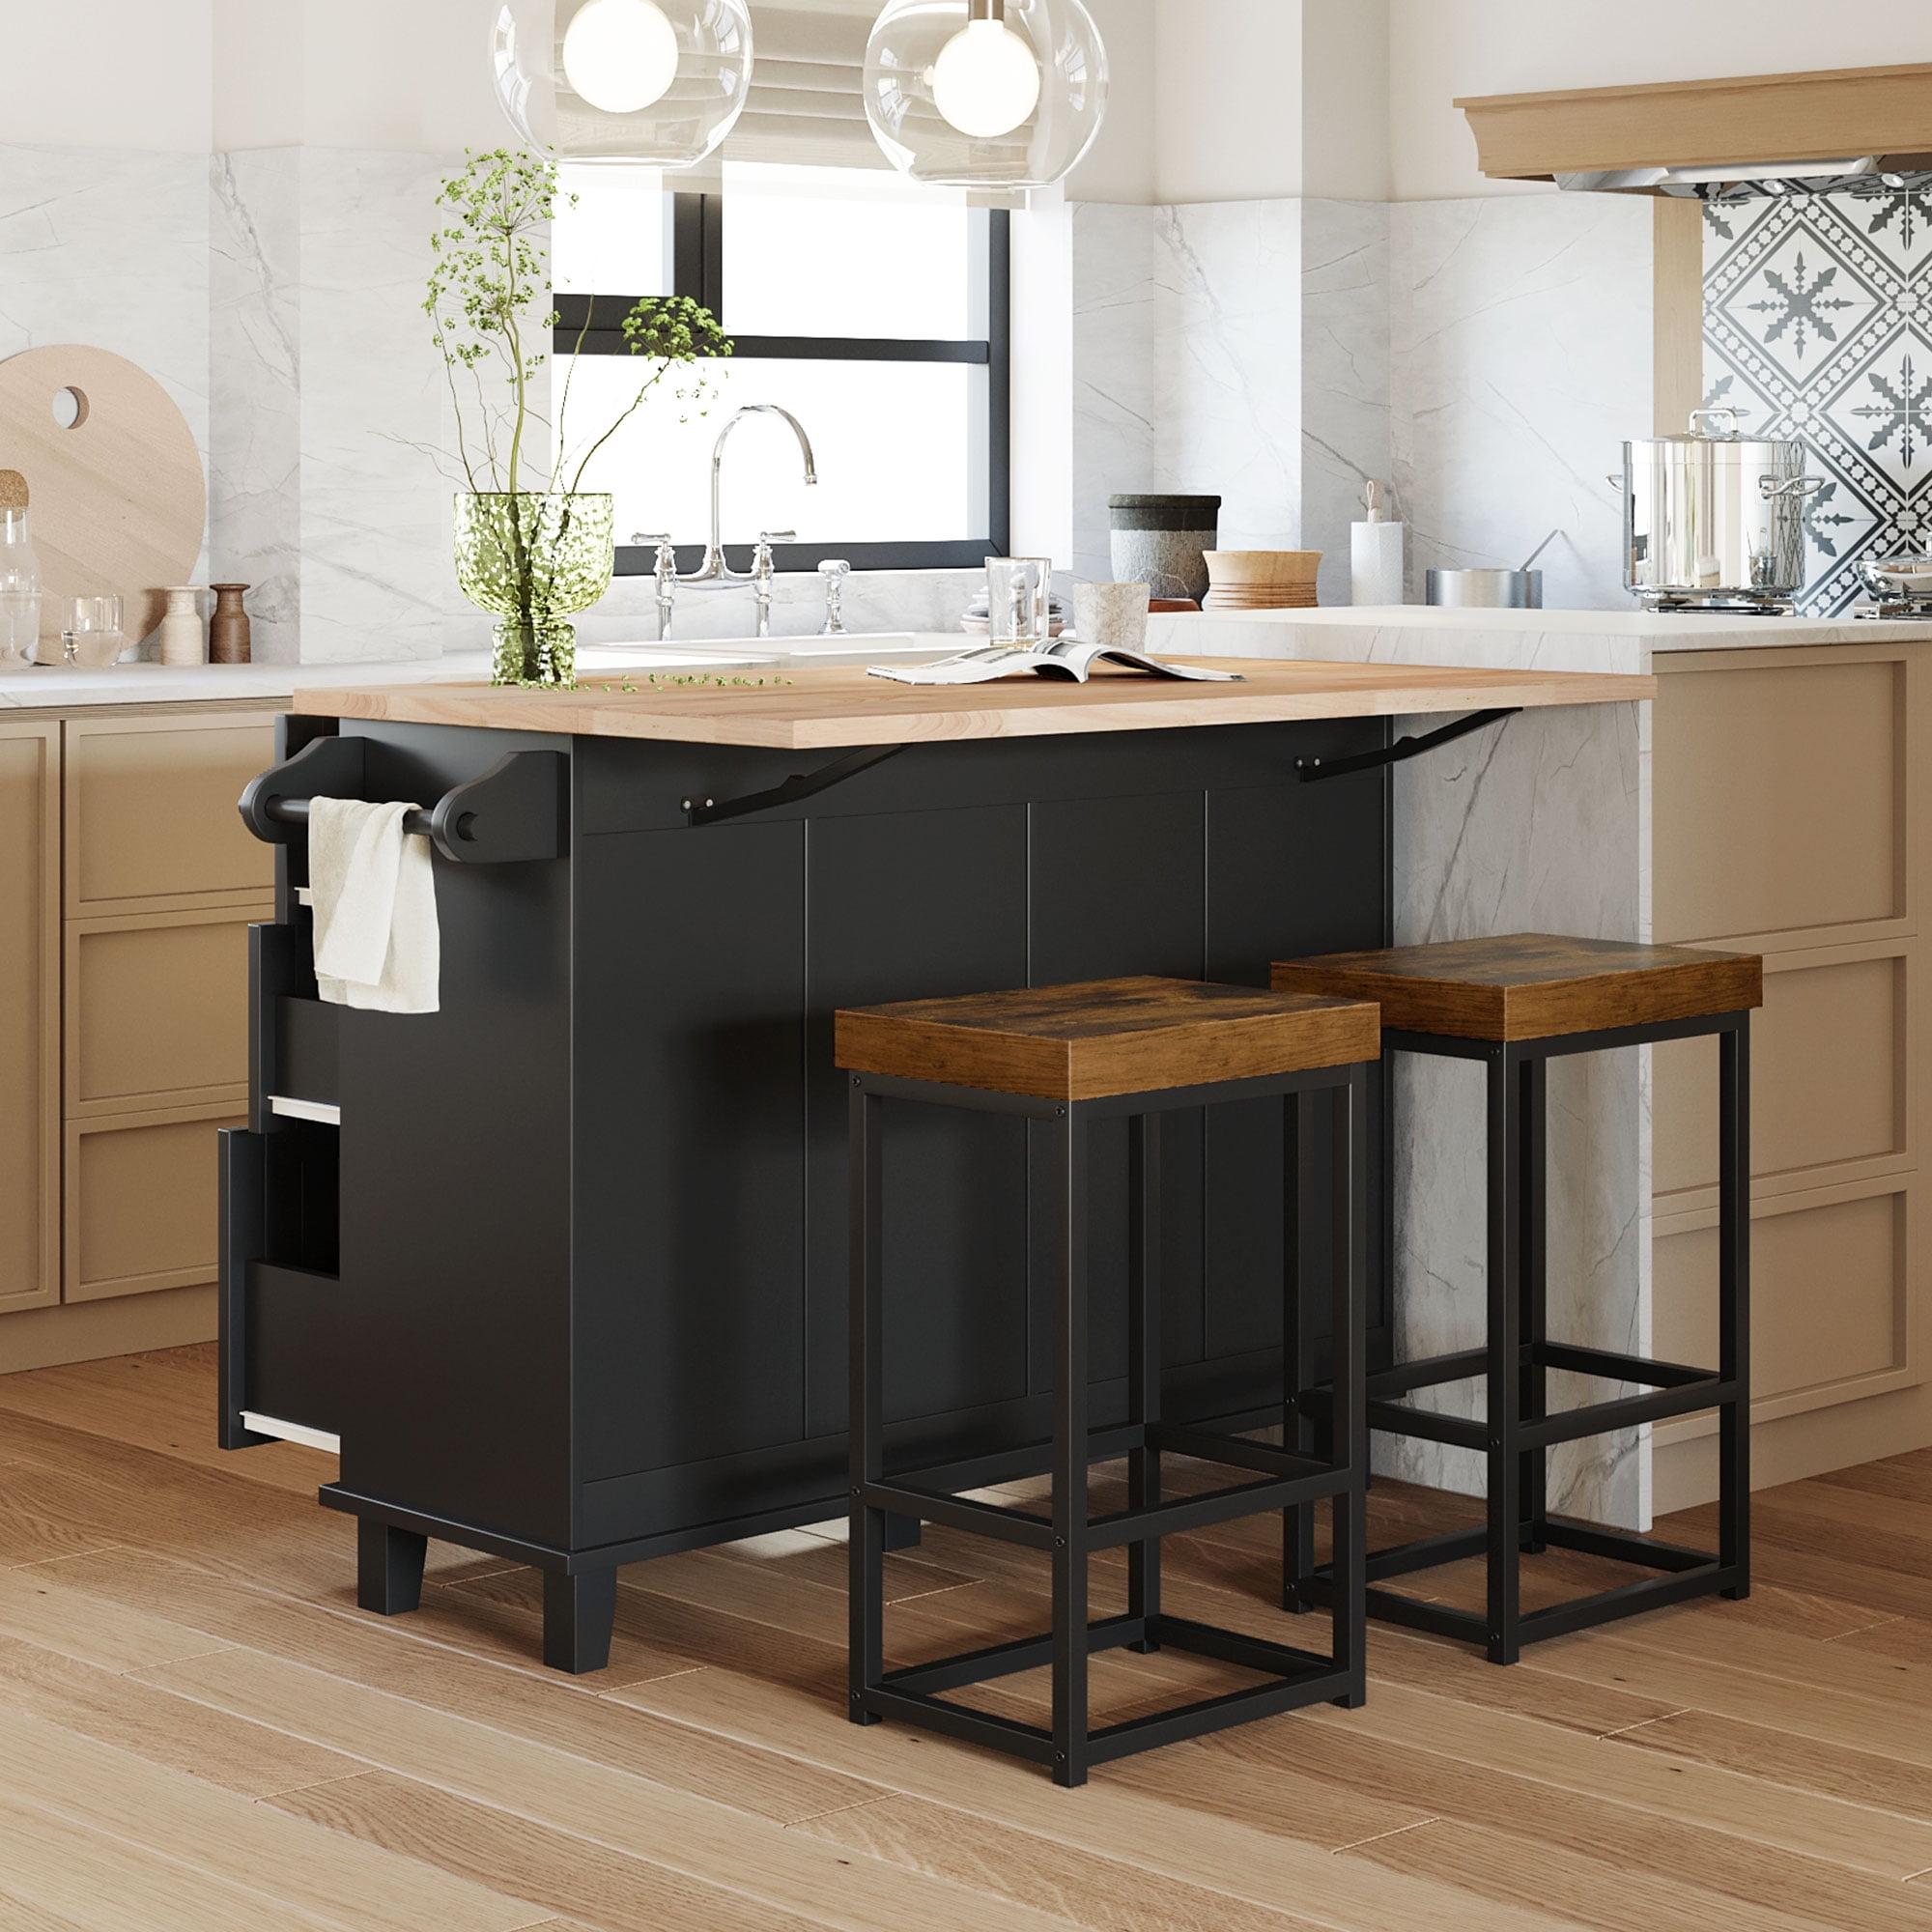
[(163, 883), (128, 885), (1792, 816), (29, 1014), (151, 818)]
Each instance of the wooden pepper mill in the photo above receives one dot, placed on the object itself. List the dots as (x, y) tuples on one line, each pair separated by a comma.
[(228, 628)]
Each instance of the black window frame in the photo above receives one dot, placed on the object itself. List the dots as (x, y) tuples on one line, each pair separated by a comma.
[(697, 270)]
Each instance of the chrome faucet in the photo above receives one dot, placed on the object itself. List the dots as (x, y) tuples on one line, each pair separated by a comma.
[(714, 570)]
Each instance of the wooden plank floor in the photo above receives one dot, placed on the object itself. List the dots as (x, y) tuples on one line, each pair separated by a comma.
[(198, 1729)]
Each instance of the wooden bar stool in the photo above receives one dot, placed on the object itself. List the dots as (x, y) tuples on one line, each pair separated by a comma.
[(1516, 1004), (1067, 1056)]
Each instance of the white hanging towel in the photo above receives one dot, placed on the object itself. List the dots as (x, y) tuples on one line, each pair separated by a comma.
[(373, 888)]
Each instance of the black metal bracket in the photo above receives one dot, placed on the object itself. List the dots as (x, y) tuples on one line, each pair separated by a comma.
[(513, 813), (1312, 771), (800, 785)]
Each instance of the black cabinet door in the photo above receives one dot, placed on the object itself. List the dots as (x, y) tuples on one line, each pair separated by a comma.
[(907, 906), (690, 1151)]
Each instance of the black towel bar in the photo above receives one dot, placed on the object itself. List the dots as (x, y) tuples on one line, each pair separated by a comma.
[(295, 811), (513, 813)]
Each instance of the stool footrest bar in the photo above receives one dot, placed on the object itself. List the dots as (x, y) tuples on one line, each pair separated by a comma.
[(1637, 1369), (1404, 1559), (1189, 1513), (976, 1518), (1233, 1452), (1587, 1539), (1004, 1660), (1406, 1377), (973, 1727), (1216, 1714), (1627, 1600), (1395, 1418), (1600, 1418), (1296, 1678)]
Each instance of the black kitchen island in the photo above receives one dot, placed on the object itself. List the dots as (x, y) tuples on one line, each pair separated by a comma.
[(563, 1265)]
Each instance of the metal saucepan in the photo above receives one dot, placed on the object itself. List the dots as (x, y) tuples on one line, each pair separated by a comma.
[(1713, 517), (1902, 574)]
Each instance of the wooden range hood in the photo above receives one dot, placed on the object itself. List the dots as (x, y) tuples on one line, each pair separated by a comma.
[(1749, 122)]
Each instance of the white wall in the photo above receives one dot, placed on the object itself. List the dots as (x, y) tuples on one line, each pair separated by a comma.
[(106, 74), (353, 73), (1242, 100), (1227, 85), (1440, 49)]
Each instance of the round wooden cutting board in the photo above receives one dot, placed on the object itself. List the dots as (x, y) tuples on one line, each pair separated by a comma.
[(118, 501)]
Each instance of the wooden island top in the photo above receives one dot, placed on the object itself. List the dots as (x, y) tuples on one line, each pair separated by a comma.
[(826, 708)]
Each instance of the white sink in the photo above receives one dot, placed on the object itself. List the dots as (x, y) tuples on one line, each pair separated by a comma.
[(709, 653), (593, 659)]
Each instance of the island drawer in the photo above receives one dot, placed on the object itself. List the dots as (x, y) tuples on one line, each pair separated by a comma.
[(292, 1367), (284, 1339), (306, 1056), (294, 1049)]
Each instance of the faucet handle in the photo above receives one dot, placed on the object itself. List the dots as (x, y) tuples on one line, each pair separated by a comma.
[(767, 538), (834, 571)]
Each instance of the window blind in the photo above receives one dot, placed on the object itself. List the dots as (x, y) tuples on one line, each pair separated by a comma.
[(806, 106)]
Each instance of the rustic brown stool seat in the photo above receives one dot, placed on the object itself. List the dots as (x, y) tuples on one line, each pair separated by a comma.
[(1516, 1004), (1066, 1056)]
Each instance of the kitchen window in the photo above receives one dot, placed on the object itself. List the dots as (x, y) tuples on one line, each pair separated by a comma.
[(875, 309)]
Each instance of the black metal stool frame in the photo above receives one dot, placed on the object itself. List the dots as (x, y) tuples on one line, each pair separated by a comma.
[(1070, 1748), (1517, 1430)]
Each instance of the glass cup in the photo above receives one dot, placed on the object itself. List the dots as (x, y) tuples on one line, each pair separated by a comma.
[(91, 632), (1019, 596)]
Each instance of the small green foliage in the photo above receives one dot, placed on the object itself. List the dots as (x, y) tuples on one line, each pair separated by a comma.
[(491, 315)]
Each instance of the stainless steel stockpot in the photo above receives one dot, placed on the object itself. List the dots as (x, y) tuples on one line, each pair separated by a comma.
[(1713, 517)]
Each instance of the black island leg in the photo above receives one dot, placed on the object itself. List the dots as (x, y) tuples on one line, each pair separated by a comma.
[(388, 1568), (580, 1613)]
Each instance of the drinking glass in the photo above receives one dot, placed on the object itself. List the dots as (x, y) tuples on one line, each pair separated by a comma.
[(1019, 594), (91, 633)]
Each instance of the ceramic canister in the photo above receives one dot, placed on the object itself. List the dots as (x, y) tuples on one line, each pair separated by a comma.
[(228, 628), (1163, 541), (182, 638)]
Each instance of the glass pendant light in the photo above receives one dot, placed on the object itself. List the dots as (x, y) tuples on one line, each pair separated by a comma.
[(992, 94), (655, 81)]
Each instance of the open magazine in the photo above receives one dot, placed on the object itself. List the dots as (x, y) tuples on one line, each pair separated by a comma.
[(1064, 658)]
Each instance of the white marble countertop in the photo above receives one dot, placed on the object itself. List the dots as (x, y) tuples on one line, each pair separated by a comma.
[(1553, 637), (56, 688), (1625, 640)]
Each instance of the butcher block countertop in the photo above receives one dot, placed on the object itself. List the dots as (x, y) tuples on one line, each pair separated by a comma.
[(817, 708)]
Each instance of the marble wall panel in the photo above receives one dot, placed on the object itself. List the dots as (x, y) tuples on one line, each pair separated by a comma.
[(110, 248), (1345, 375), (254, 449), (1522, 349), (1187, 366)]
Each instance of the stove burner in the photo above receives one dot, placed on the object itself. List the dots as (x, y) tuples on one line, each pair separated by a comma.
[(1892, 607)]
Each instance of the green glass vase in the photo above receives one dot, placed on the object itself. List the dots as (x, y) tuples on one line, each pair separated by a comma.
[(533, 560)]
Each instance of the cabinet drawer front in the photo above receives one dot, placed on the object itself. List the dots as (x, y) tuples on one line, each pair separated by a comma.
[(151, 813), (142, 1201), (1780, 798), (158, 1009)]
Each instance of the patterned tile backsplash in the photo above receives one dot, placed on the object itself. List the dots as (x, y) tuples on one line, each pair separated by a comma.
[(1818, 323)]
